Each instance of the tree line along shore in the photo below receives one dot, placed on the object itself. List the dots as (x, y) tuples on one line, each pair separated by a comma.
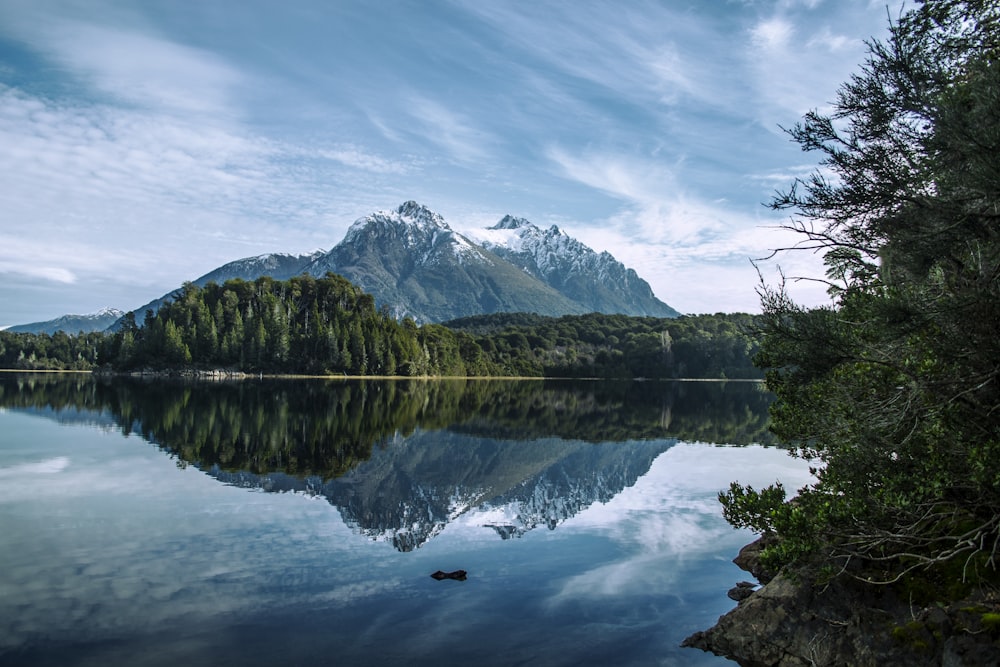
[(328, 326)]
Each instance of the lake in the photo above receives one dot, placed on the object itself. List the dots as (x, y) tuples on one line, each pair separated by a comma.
[(298, 522)]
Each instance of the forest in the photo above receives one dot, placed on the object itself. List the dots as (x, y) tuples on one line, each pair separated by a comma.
[(894, 391), (328, 326)]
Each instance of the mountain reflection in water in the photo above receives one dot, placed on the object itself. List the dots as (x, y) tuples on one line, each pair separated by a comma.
[(402, 459), (118, 552)]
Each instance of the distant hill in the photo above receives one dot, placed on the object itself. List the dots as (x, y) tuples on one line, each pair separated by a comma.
[(72, 324)]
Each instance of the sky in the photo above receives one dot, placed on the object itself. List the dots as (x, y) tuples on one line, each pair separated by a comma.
[(146, 142)]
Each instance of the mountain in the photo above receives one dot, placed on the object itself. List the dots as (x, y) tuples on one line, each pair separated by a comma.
[(598, 281), (72, 324), (418, 266)]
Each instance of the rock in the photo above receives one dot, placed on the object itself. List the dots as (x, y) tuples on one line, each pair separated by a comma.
[(749, 559), (741, 591), (795, 620)]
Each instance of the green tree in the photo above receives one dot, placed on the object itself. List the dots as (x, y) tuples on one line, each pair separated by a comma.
[(895, 389), (175, 350)]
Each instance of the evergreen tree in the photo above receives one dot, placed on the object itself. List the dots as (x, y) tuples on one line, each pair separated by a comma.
[(895, 389)]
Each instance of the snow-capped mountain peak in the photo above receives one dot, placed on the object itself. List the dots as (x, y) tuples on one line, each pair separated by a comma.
[(418, 229), (421, 215), (418, 266), (510, 222), (551, 255), (407, 215)]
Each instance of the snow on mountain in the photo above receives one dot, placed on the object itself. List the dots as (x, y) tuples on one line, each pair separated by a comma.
[(411, 260), (280, 266), (597, 280), (72, 324), (415, 265), (418, 229)]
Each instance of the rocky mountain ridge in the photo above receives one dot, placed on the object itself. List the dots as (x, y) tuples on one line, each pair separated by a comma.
[(573, 268), (416, 265)]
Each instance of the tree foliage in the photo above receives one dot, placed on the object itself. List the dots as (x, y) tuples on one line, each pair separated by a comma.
[(58, 351), (894, 390), (305, 325), (329, 326), (599, 345)]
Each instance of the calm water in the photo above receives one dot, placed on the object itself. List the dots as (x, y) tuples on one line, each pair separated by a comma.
[(298, 522)]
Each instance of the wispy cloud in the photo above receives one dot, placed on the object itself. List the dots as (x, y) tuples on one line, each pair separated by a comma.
[(459, 137), (772, 35), (145, 70), (104, 178), (200, 137), (633, 50), (352, 156), (692, 251), (656, 207), (796, 58)]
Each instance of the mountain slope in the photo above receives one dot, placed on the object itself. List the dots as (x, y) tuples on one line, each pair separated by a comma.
[(280, 266), (72, 324), (419, 267), (598, 281)]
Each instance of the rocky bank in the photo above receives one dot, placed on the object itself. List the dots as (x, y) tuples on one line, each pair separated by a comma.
[(792, 620)]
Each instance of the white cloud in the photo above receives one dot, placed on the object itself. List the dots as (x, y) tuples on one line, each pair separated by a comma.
[(113, 184), (55, 274), (163, 129), (352, 156), (458, 135), (634, 50), (670, 516), (657, 209), (773, 34), (144, 69), (695, 254), (124, 57), (797, 57)]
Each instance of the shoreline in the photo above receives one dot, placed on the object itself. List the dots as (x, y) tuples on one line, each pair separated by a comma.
[(242, 375), (795, 619)]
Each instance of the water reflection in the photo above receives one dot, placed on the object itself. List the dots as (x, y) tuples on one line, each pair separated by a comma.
[(107, 542), (402, 459), (303, 427)]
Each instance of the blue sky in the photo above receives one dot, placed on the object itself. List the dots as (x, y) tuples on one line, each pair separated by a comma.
[(146, 142)]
